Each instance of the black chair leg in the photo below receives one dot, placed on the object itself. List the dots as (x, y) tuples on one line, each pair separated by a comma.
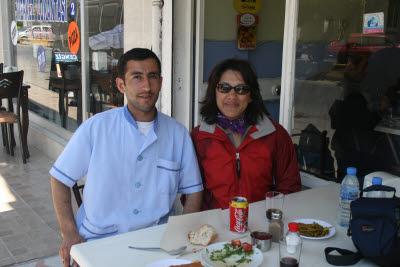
[(12, 144), (4, 129), (3, 134), (66, 109), (11, 137), (79, 107), (23, 151)]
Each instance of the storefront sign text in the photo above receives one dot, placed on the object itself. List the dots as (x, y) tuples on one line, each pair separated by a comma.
[(65, 57), (25, 10), (46, 10)]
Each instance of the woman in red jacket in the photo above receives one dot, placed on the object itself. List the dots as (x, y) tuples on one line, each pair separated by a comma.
[(241, 152)]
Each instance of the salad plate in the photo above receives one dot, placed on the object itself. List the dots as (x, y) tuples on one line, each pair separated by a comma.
[(331, 233), (252, 260)]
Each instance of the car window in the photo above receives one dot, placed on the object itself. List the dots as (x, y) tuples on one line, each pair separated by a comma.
[(365, 40)]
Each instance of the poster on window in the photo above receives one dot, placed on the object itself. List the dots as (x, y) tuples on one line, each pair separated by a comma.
[(247, 31), (373, 23)]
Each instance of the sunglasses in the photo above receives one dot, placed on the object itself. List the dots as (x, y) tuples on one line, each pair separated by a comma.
[(226, 88)]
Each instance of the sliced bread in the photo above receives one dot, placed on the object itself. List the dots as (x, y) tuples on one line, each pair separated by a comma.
[(203, 236)]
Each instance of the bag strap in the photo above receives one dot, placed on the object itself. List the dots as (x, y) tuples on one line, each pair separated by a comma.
[(345, 258), (379, 188)]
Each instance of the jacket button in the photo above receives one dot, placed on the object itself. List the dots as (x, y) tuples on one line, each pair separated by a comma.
[(137, 185), (140, 158), (135, 211)]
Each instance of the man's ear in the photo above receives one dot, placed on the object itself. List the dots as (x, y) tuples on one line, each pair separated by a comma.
[(120, 85)]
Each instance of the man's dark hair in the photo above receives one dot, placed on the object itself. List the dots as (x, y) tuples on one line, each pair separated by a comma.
[(256, 107), (136, 54)]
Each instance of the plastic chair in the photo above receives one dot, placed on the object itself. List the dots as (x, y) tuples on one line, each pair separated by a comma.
[(11, 87)]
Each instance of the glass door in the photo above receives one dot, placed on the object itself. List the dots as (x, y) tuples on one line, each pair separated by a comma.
[(222, 33), (346, 103)]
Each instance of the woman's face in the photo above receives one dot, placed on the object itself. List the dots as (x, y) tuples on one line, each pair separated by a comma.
[(232, 105)]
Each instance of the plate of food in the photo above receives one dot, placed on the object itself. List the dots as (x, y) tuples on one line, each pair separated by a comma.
[(315, 229), (234, 253)]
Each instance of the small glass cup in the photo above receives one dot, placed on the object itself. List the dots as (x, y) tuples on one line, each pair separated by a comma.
[(273, 200), (289, 255)]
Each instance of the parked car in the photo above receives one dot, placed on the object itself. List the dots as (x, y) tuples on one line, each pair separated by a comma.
[(359, 44), (43, 32), (23, 33)]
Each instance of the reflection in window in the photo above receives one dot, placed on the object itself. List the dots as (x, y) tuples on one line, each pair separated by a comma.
[(347, 91), (106, 43), (109, 17)]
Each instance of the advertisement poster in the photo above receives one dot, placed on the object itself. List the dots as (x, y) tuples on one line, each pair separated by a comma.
[(373, 23), (247, 31)]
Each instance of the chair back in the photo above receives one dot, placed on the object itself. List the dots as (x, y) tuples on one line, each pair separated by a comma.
[(70, 76), (71, 70), (11, 84)]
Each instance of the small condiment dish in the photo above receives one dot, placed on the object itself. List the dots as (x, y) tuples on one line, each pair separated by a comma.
[(262, 240)]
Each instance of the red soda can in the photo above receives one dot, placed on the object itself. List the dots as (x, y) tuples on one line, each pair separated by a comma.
[(238, 214)]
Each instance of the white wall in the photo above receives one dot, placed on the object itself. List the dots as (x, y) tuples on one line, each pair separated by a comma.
[(137, 24)]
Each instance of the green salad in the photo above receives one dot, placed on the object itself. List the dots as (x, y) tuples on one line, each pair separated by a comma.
[(231, 256)]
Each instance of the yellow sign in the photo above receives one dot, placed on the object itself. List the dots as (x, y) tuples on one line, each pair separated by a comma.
[(248, 6)]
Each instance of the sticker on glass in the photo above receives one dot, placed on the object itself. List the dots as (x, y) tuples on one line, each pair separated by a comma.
[(72, 9), (41, 58), (14, 33)]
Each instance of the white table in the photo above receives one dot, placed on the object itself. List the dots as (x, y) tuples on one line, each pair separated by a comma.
[(318, 203)]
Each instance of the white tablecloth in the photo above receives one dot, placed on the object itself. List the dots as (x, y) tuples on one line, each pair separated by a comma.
[(318, 203)]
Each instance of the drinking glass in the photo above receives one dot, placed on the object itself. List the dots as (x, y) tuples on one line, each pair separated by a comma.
[(273, 200), (289, 255)]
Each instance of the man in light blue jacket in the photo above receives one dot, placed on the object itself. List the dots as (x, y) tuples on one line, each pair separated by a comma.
[(136, 160)]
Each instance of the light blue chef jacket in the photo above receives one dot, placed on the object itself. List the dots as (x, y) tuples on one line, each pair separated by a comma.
[(132, 180)]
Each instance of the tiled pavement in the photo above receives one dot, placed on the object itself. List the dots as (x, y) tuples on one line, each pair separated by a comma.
[(28, 225)]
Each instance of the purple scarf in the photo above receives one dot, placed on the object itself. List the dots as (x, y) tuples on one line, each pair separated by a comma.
[(238, 125)]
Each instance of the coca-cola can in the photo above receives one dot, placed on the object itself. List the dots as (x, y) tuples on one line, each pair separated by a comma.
[(238, 214)]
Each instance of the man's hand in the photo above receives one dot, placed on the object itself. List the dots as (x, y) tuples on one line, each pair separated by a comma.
[(65, 248), (193, 202)]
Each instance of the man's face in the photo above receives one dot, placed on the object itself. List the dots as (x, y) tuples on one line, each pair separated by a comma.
[(142, 85)]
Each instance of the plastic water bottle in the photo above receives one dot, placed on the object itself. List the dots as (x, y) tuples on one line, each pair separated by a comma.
[(349, 190), (376, 194)]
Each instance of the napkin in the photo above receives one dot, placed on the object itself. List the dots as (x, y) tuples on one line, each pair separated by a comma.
[(178, 227)]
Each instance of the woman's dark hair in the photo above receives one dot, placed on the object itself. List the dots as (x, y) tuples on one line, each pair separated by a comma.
[(254, 111), (136, 54)]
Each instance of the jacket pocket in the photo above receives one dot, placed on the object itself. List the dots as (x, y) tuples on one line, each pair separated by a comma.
[(168, 175), (89, 230)]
